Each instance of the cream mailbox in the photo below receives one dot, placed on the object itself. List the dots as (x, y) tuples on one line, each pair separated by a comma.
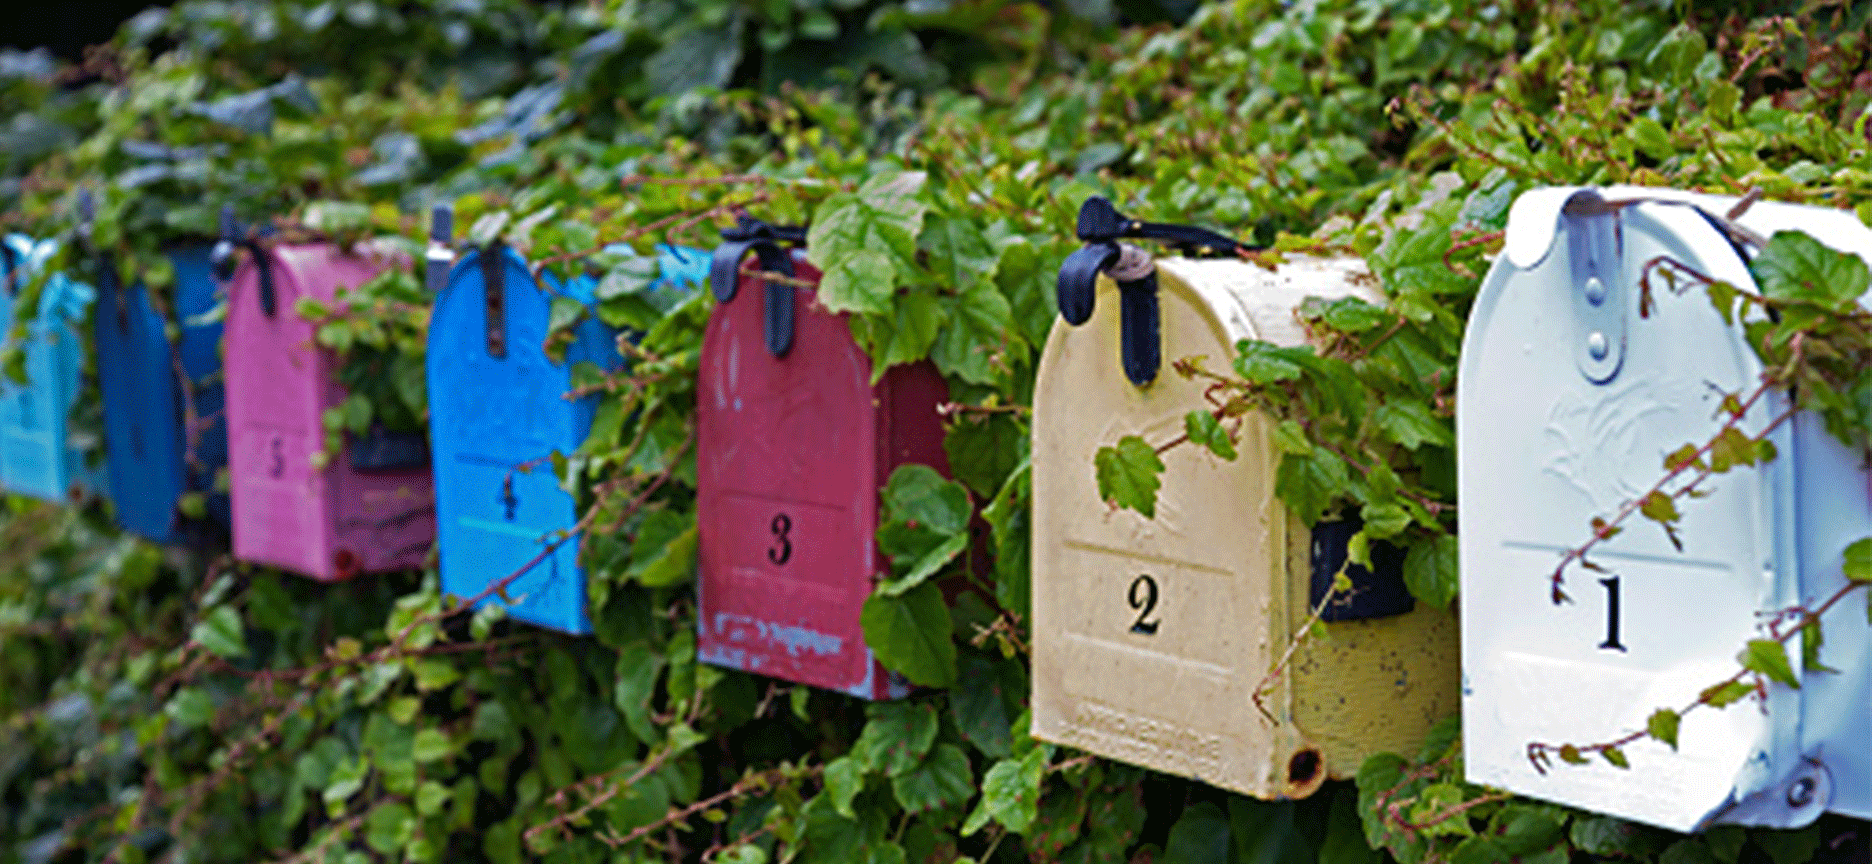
[(1569, 398), (1150, 636)]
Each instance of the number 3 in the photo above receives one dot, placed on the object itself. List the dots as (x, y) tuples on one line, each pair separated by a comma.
[(1144, 604), (782, 550)]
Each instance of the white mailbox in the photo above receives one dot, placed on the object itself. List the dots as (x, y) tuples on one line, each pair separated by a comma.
[(1568, 400)]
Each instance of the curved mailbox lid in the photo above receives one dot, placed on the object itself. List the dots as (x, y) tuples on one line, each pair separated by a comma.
[(1544, 447), (152, 457), (791, 451), (40, 454), (1229, 564)]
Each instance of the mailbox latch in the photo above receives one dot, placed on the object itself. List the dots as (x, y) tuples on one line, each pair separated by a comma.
[(1600, 304), (765, 241), (494, 292), (1140, 335), (107, 271), (222, 257)]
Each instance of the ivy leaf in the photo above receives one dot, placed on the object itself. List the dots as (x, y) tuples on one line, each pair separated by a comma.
[(1811, 641), (1663, 726), (979, 706), (1768, 657), (910, 635), (1128, 475), (896, 736), (1413, 425), (220, 631), (978, 320), (858, 238), (1205, 430), (943, 779), (1201, 835), (1658, 507), (1616, 756), (1264, 363), (925, 566), (1310, 483), (1858, 561), (844, 779), (1795, 266), (1010, 793), (1726, 693)]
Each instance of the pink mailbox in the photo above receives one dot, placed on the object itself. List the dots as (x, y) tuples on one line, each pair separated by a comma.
[(330, 523), (793, 444)]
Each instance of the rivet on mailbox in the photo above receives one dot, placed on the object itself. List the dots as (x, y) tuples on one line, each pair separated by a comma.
[(40, 454), (1570, 395), (369, 510), (793, 444), (499, 411), (164, 430), (1151, 635)]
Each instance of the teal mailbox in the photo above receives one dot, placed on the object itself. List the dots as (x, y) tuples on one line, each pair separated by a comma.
[(499, 409), (39, 453)]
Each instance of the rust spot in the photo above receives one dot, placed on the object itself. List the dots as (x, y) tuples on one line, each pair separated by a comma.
[(1305, 772), (345, 564)]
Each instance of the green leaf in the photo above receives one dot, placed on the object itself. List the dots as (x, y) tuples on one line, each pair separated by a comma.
[(1857, 561), (1651, 138), (983, 451), (1659, 507), (1663, 726), (1264, 363), (896, 736), (1768, 657), (1430, 570), (1291, 438), (1795, 266), (1811, 641), (844, 779), (1128, 475), (190, 706), (1200, 836), (221, 632), (389, 826), (978, 704), (1010, 793), (910, 635), (942, 779), (904, 335), (1205, 430), (1616, 756), (1413, 425), (857, 240), (1384, 519), (1726, 693), (674, 565), (1310, 483), (430, 745), (926, 566)]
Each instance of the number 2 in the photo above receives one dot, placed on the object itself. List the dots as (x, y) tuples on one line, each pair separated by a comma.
[(1145, 604), (1612, 642), (782, 550)]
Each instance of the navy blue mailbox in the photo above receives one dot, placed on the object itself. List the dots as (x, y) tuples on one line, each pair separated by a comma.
[(498, 411), (39, 454), (164, 431)]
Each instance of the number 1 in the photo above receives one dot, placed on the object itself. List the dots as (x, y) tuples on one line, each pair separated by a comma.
[(1612, 642)]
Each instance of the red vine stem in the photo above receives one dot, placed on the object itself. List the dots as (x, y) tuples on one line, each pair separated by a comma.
[(1540, 753)]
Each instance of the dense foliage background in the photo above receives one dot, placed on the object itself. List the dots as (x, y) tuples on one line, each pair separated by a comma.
[(176, 705)]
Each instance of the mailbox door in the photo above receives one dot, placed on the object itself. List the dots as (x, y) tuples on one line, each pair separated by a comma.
[(275, 383), (790, 455), (496, 422), (151, 457), (41, 457), (1550, 435)]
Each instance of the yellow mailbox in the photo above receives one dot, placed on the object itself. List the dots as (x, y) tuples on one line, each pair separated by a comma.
[(1151, 635)]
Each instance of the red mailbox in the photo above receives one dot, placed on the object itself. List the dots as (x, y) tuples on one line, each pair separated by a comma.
[(793, 444)]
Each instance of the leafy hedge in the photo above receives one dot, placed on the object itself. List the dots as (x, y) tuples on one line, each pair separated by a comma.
[(176, 705)]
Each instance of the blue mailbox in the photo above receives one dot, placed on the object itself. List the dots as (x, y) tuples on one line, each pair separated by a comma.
[(498, 411), (164, 430), (39, 453)]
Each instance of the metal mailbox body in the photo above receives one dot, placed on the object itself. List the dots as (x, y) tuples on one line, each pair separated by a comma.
[(331, 523), (40, 455), (1568, 401), (497, 415), (1168, 683), (791, 452), (150, 458)]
